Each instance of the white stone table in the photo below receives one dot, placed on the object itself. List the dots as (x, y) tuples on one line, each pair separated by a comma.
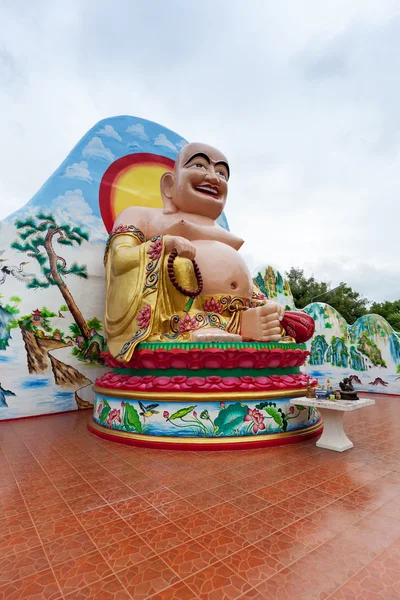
[(332, 412)]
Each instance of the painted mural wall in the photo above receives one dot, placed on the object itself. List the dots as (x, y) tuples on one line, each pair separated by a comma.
[(368, 351), (52, 278), (51, 264)]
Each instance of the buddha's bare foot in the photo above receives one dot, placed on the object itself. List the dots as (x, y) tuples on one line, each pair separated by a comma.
[(213, 334), (263, 324)]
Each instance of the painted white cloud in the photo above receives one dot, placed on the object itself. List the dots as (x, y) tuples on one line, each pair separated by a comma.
[(109, 131), (73, 209), (181, 144), (162, 140), (137, 130), (134, 145), (78, 171), (96, 149)]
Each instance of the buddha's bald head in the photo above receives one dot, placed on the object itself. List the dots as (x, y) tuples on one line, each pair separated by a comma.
[(199, 183)]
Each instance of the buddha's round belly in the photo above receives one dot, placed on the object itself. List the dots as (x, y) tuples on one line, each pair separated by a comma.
[(223, 269)]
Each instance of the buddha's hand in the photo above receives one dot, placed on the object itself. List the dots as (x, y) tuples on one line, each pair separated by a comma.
[(184, 247)]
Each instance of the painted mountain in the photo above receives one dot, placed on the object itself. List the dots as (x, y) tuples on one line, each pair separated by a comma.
[(51, 264), (367, 351)]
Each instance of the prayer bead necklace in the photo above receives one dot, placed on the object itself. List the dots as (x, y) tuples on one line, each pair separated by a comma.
[(191, 293)]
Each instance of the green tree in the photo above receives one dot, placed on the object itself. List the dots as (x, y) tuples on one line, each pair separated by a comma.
[(350, 304), (37, 238), (389, 311), (304, 289)]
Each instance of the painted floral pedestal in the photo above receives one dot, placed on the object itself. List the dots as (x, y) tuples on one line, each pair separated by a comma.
[(205, 396)]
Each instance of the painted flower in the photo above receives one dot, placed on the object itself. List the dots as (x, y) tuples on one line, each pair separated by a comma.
[(99, 408), (187, 324), (143, 317), (155, 249), (257, 418), (213, 306), (120, 229), (194, 414), (222, 404), (165, 414), (113, 416), (291, 410)]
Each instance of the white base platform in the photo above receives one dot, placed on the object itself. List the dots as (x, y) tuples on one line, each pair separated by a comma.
[(333, 436)]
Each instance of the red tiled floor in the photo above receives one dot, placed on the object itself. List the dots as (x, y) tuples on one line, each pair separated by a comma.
[(18, 542), (40, 586), (147, 578), (80, 572), (179, 591), (83, 518), (199, 523), (223, 542), (165, 537), (188, 558), (52, 530), (22, 564), (110, 533), (253, 565), (106, 589), (126, 553), (283, 547)]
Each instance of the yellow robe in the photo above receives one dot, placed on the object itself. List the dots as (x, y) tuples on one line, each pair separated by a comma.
[(142, 303)]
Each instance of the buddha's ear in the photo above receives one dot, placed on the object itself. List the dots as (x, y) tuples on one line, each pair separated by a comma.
[(167, 186)]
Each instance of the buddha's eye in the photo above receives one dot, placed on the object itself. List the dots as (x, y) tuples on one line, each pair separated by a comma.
[(197, 166), (222, 174)]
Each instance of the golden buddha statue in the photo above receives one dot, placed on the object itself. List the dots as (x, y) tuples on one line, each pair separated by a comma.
[(175, 274)]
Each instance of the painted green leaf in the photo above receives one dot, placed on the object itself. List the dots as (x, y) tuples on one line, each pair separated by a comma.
[(230, 419), (182, 412), (131, 418), (104, 414), (275, 414), (262, 405), (105, 402), (300, 407)]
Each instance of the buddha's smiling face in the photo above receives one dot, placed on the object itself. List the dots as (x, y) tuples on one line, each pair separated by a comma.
[(199, 184)]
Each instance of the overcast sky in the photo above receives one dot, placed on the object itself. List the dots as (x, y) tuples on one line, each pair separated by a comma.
[(302, 96)]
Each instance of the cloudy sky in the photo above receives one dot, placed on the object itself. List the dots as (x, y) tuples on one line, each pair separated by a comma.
[(303, 97)]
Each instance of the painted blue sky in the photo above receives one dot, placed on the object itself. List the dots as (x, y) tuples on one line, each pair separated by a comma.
[(104, 143), (301, 96)]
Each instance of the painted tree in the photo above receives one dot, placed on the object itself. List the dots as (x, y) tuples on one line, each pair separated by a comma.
[(37, 236), (11, 310), (95, 323)]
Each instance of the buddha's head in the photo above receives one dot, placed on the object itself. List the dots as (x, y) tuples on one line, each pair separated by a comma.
[(199, 182)]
